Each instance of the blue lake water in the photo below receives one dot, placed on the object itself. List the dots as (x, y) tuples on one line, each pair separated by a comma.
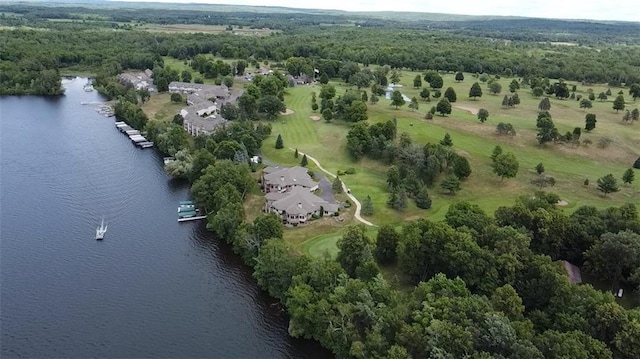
[(154, 288)]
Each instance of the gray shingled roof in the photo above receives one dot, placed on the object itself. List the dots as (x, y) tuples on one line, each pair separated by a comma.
[(288, 176), (300, 201)]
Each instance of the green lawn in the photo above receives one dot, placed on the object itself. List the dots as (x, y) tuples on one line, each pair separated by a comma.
[(569, 164)]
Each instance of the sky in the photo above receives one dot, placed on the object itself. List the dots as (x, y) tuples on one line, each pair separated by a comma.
[(622, 10)]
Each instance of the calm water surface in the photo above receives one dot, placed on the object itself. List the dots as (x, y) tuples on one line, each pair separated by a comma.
[(152, 288)]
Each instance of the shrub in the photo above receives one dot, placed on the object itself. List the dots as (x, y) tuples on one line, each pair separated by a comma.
[(604, 142)]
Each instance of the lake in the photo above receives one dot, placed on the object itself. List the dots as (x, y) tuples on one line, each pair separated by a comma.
[(152, 288)]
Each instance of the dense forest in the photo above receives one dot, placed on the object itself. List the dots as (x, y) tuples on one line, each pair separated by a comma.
[(478, 285), (25, 53)]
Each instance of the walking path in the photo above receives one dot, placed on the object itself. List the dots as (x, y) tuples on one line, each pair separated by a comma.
[(344, 188)]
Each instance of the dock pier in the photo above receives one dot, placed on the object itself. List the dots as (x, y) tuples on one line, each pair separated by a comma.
[(134, 135)]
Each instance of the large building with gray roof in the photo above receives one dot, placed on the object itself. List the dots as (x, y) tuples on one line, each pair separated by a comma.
[(297, 206), (202, 115)]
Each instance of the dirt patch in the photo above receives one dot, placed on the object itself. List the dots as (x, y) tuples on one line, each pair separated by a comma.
[(463, 153), (472, 110), (287, 112), (315, 118), (562, 203)]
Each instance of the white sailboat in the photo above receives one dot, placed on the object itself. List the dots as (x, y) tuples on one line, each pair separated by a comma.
[(100, 231)]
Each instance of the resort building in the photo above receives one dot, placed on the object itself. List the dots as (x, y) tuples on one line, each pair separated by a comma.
[(298, 206)]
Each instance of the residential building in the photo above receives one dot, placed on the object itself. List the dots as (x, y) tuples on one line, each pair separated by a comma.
[(283, 179), (298, 205)]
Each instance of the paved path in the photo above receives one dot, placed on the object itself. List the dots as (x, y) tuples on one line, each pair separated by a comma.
[(344, 188)]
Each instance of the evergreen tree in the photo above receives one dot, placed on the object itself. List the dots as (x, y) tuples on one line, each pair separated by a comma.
[(475, 91), (544, 105), (459, 76), (505, 101), (373, 98), (398, 198), (304, 161), (608, 184), (422, 198), (461, 167), (337, 185), (450, 94), (446, 141), (540, 168), (364, 97), (367, 207), (628, 176), (590, 122), (279, 142), (295, 155), (451, 184)]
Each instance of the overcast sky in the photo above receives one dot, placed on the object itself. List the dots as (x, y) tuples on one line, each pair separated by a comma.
[(627, 10)]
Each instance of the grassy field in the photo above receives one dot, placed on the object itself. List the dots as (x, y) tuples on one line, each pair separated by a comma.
[(206, 29), (569, 164)]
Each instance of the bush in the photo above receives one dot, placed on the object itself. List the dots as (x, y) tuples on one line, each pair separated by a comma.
[(176, 97), (350, 171), (604, 142), (637, 163)]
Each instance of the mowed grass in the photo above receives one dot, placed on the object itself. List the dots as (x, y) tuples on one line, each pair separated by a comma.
[(569, 164)]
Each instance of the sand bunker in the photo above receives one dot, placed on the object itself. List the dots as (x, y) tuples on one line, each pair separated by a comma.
[(315, 118), (472, 110), (562, 203), (287, 112)]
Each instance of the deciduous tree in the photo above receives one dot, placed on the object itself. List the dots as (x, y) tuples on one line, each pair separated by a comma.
[(354, 247), (417, 81), (495, 88), (396, 99), (386, 248), (505, 165), (483, 115), (444, 107), (459, 76), (424, 94), (614, 256)]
